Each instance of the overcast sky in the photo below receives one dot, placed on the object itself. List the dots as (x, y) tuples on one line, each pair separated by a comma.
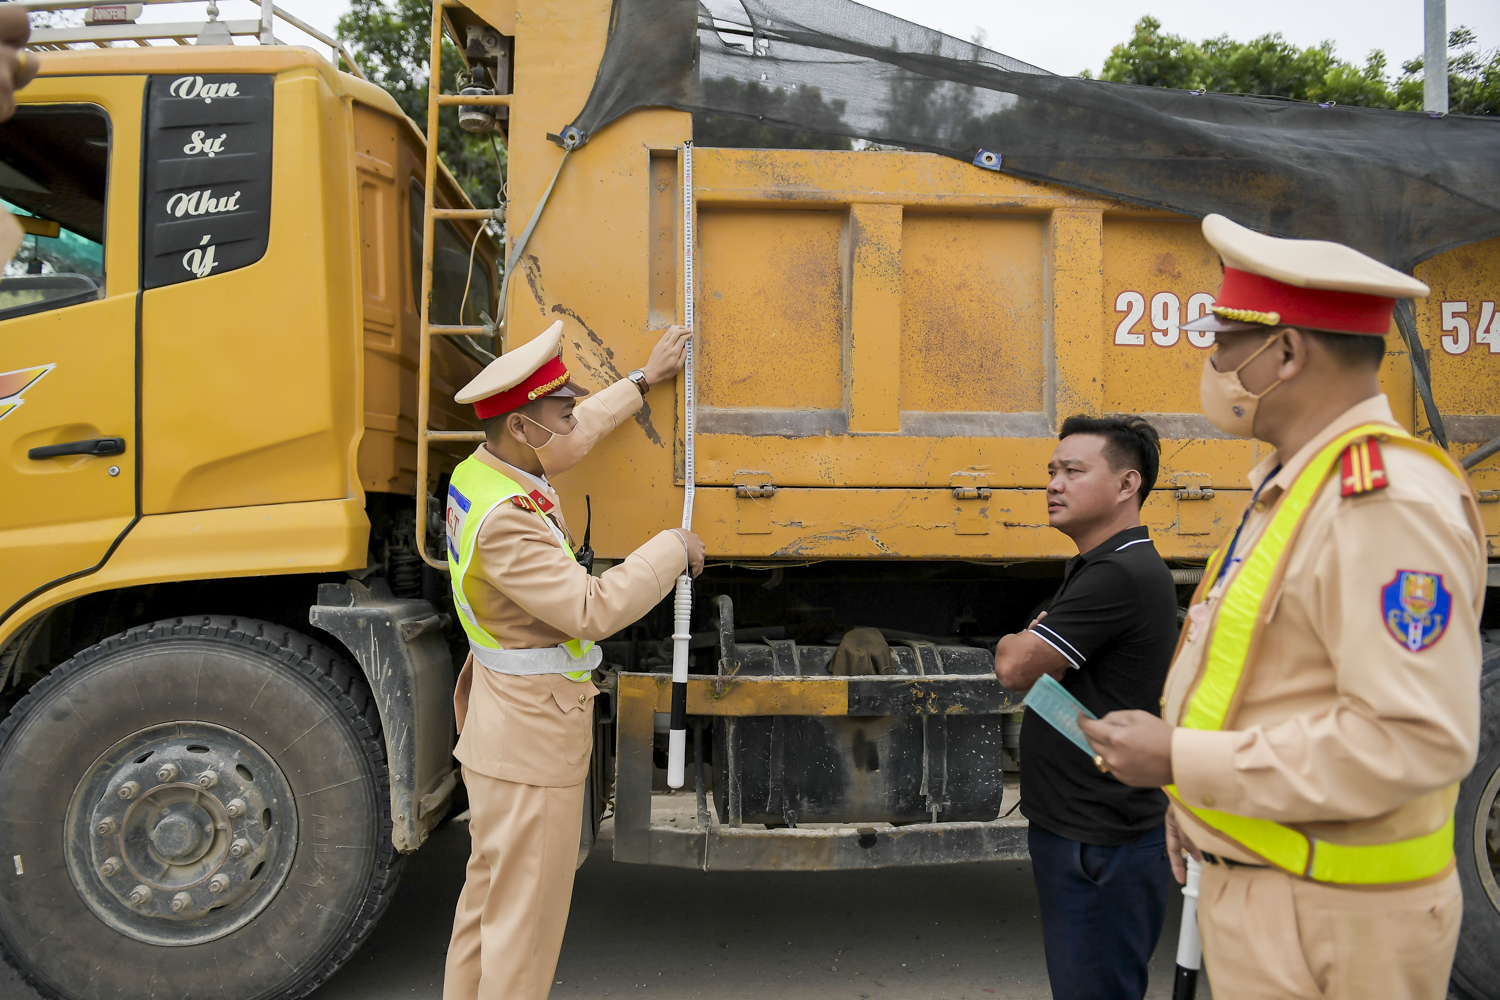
[(1066, 36)]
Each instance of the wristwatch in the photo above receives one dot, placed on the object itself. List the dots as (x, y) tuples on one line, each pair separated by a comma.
[(639, 378)]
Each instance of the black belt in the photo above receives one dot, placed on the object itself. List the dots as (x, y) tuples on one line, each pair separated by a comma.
[(1214, 859)]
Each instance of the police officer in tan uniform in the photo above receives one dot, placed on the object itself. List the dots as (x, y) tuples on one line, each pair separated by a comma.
[(1323, 703), (525, 699)]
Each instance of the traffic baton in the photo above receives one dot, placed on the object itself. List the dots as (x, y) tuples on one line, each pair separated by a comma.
[(1189, 945)]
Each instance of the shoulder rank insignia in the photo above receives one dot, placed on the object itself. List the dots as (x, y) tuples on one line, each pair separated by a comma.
[(1361, 469), (523, 502), (1416, 608)]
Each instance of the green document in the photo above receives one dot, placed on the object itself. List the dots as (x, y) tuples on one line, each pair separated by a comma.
[(1050, 700)]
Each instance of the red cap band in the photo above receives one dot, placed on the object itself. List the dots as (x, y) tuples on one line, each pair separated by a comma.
[(551, 376), (1315, 308)]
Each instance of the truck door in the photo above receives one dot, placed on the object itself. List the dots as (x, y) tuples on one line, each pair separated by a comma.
[(70, 172)]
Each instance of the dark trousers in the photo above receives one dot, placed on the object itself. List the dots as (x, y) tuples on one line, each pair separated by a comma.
[(1102, 912)]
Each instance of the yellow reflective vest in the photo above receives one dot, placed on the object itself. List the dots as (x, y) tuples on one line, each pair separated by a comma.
[(474, 491)]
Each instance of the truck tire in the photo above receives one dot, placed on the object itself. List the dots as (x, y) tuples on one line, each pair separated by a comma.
[(196, 807), (1476, 966)]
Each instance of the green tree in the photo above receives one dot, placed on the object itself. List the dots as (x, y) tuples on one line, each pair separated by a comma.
[(1154, 59), (392, 39), (1273, 67), (1473, 77)]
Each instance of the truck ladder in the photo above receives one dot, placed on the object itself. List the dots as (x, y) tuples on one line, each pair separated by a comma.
[(430, 216)]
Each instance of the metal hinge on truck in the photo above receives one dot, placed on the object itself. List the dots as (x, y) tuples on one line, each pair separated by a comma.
[(1194, 516), (753, 496), (971, 502)]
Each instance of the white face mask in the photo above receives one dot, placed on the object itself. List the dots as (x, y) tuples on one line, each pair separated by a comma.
[(561, 451), (1227, 404)]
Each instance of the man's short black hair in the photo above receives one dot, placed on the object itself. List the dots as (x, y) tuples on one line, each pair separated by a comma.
[(1130, 442), (1350, 350)]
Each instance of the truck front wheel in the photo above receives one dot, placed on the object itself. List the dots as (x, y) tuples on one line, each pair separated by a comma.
[(1476, 844), (197, 807)]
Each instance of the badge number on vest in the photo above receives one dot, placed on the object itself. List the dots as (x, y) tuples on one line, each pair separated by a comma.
[(1415, 607), (458, 509)]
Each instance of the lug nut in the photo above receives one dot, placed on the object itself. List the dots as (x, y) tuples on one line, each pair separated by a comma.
[(130, 790), (140, 895), (218, 883), (207, 779), (110, 867), (239, 848), (106, 826), (181, 901), (235, 808), (167, 772)]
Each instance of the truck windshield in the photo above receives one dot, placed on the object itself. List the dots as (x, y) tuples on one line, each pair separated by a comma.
[(54, 167)]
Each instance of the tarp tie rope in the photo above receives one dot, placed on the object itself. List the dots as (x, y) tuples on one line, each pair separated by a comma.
[(520, 244)]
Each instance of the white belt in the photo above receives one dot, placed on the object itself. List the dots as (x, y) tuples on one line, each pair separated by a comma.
[(552, 660)]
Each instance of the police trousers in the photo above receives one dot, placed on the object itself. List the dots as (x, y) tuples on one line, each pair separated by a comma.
[(511, 915), (1269, 936)]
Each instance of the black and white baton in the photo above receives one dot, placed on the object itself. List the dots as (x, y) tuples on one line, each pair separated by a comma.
[(1189, 945)]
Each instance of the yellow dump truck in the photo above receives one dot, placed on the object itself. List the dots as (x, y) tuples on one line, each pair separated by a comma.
[(228, 350)]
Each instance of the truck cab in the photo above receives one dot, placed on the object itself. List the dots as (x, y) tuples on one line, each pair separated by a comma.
[(208, 358)]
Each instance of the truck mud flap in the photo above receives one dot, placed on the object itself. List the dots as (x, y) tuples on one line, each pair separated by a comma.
[(400, 646)]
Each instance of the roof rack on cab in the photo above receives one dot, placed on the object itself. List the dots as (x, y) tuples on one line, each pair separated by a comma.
[(107, 25)]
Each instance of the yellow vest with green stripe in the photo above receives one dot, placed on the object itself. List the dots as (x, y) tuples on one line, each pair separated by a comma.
[(1223, 672), (474, 491)]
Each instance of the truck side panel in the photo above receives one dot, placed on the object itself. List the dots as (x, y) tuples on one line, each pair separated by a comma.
[(1460, 326)]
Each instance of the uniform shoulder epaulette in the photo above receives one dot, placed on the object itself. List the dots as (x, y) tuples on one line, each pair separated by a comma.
[(523, 502), (1361, 468)]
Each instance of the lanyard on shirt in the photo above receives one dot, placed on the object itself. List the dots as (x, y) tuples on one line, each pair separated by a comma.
[(1233, 542)]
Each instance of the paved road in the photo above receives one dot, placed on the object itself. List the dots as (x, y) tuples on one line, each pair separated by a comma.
[(963, 932)]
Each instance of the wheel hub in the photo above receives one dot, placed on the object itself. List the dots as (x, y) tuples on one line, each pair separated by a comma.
[(181, 833), (182, 836)]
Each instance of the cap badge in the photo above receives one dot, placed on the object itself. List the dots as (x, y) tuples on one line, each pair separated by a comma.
[(1415, 607)]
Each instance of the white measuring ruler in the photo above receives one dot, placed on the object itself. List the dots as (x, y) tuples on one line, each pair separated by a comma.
[(689, 395), (683, 601)]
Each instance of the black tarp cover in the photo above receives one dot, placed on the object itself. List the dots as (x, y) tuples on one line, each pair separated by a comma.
[(1400, 186)]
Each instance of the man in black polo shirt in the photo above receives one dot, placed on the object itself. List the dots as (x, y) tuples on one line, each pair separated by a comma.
[(1098, 849)]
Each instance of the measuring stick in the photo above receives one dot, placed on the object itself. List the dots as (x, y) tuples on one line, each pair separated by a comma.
[(683, 601), (1189, 946)]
